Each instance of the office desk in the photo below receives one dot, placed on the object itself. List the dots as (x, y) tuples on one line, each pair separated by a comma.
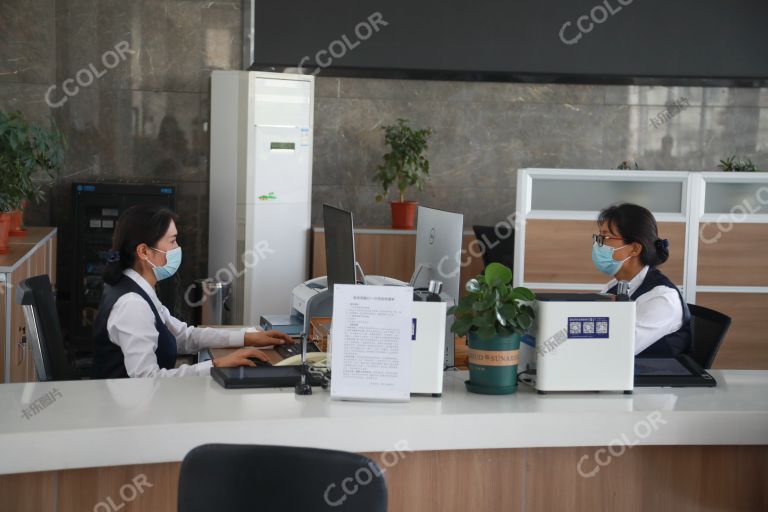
[(692, 449)]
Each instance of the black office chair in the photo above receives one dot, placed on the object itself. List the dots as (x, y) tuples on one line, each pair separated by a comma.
[(709, 328), (44, 337), (498, 243), (239, 478)]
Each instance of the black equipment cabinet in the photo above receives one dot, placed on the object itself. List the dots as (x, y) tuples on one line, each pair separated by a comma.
[(96, 208)]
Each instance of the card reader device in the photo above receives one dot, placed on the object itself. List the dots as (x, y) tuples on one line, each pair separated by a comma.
[(580, 342)]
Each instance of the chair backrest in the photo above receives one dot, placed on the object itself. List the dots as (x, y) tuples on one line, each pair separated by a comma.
[(239, 478), (709, 328), (44, 337), (498, 243)]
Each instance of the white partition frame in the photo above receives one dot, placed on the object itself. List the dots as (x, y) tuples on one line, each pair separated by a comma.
[(527, 179), (745, 212), (694, 190)]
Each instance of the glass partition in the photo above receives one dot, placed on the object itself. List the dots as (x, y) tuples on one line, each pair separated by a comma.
[(740, 198), (591, 195)]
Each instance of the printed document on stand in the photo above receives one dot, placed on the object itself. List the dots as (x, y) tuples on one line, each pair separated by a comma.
[(371, 333)]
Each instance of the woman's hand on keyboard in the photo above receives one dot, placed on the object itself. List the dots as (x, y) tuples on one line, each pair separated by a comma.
[(239, 358), (267, 338)]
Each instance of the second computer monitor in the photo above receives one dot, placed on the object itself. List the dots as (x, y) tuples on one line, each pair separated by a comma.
[(438, 249), (339, 246)]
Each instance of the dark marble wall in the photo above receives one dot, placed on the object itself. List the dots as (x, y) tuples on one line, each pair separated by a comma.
[(146, 118), (484, 132)]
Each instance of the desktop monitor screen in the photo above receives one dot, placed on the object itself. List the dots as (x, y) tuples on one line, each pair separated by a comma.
[(339, 246), (438, 249)]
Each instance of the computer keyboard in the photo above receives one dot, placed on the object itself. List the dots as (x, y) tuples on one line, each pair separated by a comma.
[(287, 351)]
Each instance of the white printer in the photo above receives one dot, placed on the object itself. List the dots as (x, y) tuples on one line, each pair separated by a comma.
[(580, 342), (312, 294)]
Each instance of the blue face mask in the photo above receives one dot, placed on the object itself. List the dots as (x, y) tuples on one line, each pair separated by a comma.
[(173, 261), (602, 257)]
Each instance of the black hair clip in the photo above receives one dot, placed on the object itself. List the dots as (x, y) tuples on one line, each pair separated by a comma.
[(662, 243), (113, 256)]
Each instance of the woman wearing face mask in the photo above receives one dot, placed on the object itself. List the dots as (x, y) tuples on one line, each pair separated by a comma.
[(628, 248), (134, 334)]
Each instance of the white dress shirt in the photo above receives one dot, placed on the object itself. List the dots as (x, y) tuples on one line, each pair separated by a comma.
[(131, 326), (658, 311)]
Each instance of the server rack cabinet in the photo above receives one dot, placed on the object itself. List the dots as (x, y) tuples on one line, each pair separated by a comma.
[(96, 208)]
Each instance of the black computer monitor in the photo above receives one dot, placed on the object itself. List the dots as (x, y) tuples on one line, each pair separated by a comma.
[(339, 246)]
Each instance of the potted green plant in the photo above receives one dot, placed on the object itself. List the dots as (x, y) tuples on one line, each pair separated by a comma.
[(6, 206), (404, 166), (494, 316), (733, 164), (626, 166), (29, 155)]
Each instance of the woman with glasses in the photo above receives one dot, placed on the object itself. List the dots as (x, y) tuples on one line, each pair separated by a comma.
[(628, 248)]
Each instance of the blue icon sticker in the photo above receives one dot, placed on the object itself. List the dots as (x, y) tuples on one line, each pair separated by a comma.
[(588, 327), (529, 340), (413, 330)]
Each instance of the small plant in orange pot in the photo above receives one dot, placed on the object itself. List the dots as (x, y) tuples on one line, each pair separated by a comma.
[(404, 166), (30, 154), (5, 227), (8, 201), (17, 220)]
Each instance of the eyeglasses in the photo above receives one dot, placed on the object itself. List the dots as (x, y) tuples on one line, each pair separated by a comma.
[(600, 239)]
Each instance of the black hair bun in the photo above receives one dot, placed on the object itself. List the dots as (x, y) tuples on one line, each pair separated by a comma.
[(662, 243)]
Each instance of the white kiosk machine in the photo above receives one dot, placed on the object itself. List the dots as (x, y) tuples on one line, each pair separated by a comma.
[(583, 342)]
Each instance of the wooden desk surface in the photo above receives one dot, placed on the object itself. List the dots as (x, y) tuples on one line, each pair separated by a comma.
[(19, 247)]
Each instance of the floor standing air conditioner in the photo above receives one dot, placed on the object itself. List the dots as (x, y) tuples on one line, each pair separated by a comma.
[(261, 188)]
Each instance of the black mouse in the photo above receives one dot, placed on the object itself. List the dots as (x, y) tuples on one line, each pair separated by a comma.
[(259, 362)]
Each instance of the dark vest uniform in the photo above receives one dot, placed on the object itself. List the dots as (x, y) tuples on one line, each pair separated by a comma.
[(674, 343), (108, 362)]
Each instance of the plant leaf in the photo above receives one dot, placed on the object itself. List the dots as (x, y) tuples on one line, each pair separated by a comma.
[(486, 332), (497, 275), (522, 293)]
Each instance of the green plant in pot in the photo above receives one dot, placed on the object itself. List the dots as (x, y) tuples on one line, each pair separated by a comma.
[(494, 316), (625, 165), (733, 164), (30, 154), (404, 166)]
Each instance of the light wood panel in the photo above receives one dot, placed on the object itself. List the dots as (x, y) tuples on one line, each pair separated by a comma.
[(392, 255), (37, 259), (16, 252), (388, 255), (19, 246), (737, 257), (28, 492), (38, 265), (5, 294), (85, 489), (19, 351), (560, 251), (456, 481), (746, 343), (679, 478)]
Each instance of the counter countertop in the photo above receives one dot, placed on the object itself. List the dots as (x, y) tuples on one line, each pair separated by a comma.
[(19, 247), (78, 424)]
